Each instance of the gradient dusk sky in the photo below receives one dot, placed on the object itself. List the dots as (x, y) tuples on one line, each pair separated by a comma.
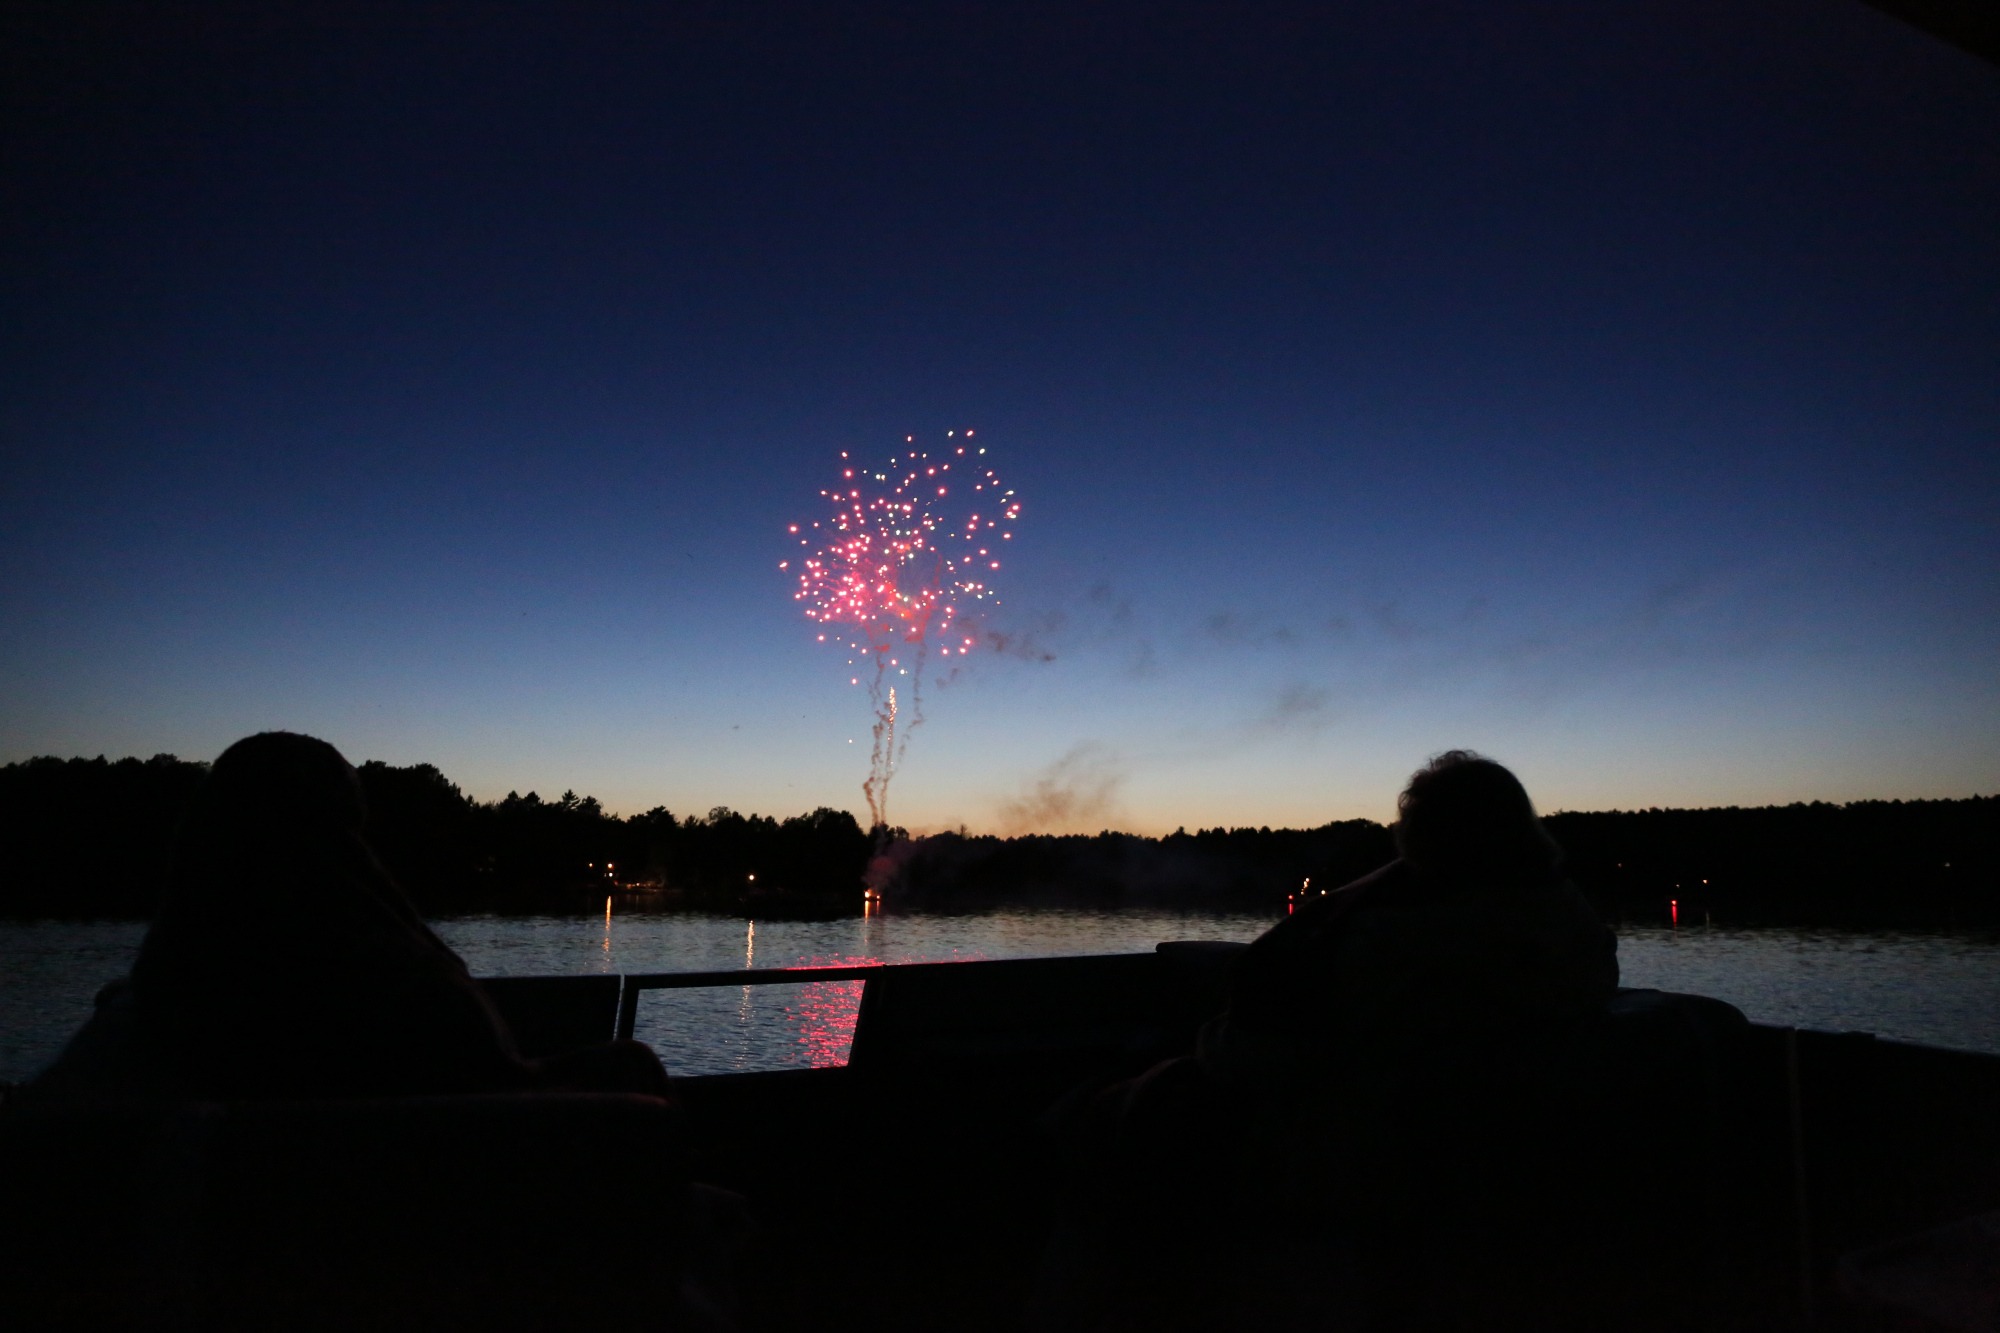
[(1611, 388)]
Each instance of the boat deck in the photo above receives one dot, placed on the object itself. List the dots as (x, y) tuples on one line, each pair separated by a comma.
[(1692, 1171)]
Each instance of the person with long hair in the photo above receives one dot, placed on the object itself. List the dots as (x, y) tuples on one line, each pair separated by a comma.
[(285, 961)]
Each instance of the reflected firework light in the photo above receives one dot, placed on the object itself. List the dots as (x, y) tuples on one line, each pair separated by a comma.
[(899, 567)]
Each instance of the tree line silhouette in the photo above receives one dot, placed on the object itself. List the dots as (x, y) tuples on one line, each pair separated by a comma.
[(89, 837)]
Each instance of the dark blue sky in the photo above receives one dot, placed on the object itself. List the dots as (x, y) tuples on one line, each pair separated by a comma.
[(1610, 388)]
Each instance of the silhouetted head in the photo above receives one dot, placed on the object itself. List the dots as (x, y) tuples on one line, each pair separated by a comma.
[(277, 827), (279, 782), (285, 961), (1464, 816)]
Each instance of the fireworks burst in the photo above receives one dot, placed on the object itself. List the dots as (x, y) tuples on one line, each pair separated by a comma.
[(898, 569)]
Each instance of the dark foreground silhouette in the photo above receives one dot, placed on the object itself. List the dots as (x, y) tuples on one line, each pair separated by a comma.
[(1653, 1164), (1391, 1122), (285, 962), (334, 1119)]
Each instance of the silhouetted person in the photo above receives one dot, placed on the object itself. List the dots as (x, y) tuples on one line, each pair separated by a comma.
[(1252, 1183), (285, 962), (1471, 940), (287, 978)]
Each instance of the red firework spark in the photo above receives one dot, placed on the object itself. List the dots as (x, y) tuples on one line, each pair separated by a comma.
[(903, 555), (906, 551)]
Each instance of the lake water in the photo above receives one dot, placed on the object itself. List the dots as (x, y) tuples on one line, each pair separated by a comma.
[(1939, 988)]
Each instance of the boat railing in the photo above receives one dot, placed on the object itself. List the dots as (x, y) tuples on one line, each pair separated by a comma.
[(632, 985), (921, 1013), (911, 1011)]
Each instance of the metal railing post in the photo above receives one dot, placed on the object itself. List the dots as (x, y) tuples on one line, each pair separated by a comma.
[(628, 1008)]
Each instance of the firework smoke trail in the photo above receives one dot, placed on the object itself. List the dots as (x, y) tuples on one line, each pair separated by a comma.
[(901, 558), (883, 757)]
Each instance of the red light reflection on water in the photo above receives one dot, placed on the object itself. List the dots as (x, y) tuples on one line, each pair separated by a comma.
[(823, 1013)]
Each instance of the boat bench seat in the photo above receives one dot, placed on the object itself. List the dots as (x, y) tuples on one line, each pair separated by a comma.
[(514, 1210), (1618, 1176)]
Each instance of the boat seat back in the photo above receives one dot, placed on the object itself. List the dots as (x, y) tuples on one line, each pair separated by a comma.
[(550, 1015), (942, 1017)]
